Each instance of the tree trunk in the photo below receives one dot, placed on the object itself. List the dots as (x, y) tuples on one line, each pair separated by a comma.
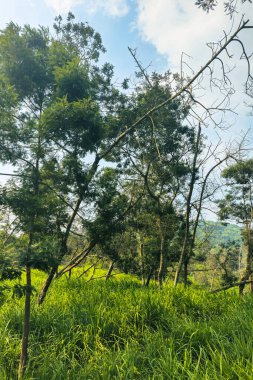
[(46, 285), (161, 264), (183, 255), (26, 325), (49, 280), (251, 283), (149, 277), (140, 249), (108, 274), (181, 260), (186, 262), (248, 271), (28, 286)]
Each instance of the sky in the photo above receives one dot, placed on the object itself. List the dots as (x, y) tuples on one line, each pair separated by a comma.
[(160, 29)]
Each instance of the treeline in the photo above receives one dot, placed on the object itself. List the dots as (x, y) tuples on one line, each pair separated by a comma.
[(121, 173)]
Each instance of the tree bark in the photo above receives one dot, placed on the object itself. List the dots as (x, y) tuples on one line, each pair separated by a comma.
[(26, 325), (149, 277), (161, 264), (186, 262), (140, 248), (46, 285), (108, 274), (248, 271)]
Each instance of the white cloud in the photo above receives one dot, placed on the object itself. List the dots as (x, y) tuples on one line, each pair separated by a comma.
[(62, 6), (176, 26), (110, 7)]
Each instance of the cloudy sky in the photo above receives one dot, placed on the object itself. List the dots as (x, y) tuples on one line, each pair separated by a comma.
[(160, 30)]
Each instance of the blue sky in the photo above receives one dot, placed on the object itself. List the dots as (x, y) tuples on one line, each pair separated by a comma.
[(160, 29), (118, 30)]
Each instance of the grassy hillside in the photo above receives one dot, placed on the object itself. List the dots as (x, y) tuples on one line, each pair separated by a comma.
[(120, 330)]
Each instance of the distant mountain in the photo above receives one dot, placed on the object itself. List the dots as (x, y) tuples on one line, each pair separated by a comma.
[(219, 233)]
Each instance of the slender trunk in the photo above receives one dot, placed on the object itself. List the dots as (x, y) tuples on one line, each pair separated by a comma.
[(108, 274), (140, 254), (53, 271), (46, 285), (26, 325), (248, 271), (188, 210), (241, 288), (28, 286), (182, 258), (149, 277), (212, 278), (186, 262), (161, 264), (161, 269)]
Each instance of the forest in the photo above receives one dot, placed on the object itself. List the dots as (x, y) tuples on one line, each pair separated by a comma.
[(126, 245)]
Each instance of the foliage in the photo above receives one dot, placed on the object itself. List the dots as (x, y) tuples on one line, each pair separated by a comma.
[(53, 116), (118, 329), (62, 120), (218, 233), (237, 203)]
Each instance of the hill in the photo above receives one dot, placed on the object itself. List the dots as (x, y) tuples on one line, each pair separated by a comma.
[(220, 233)]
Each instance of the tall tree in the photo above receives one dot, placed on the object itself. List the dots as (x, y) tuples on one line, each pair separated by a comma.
[(55, 104), (156, 155), (237, 205)]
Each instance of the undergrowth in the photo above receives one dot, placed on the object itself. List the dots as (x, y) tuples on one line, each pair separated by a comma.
[(120, 330)]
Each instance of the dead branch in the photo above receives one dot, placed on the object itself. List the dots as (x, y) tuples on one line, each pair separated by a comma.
[(231, 286), (76, 260), (133, 53), (96, 278)]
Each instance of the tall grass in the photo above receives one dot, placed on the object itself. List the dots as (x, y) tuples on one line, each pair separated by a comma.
[(120, 330)]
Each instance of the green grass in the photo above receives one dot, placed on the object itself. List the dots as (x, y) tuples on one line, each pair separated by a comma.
[(120, 330)]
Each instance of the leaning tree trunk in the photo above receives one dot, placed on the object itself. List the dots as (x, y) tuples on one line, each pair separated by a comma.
[(47, 284), (53, 271), (110, 269), (49, 280)]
